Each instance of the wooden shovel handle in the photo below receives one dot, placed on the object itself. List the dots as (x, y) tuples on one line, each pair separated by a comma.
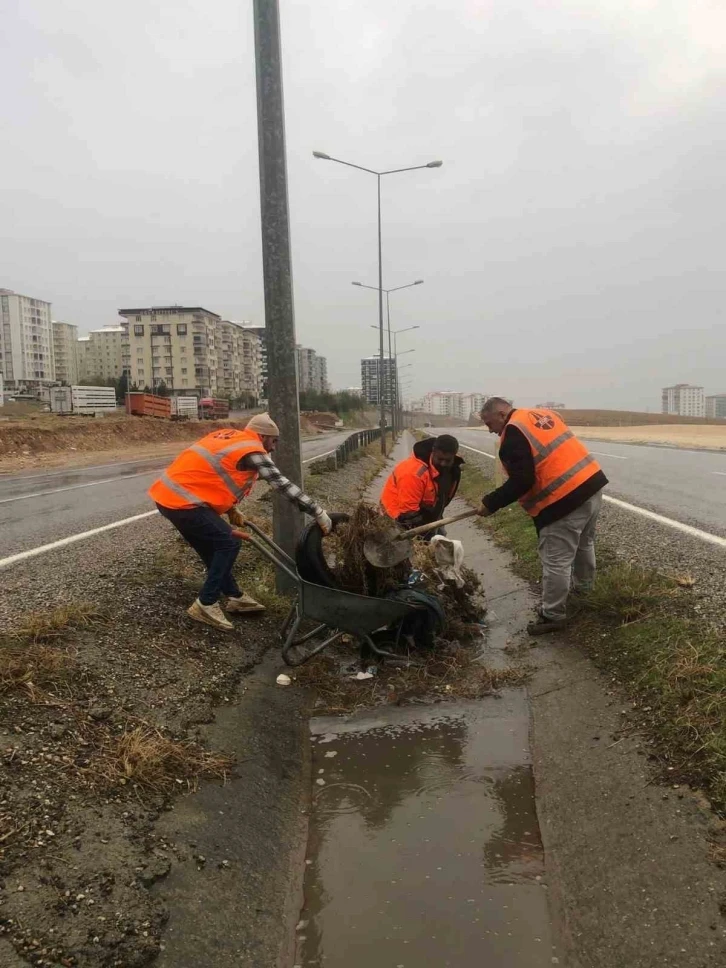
[(422, 529)]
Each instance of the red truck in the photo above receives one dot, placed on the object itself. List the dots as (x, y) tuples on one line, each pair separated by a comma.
[(213, 408)]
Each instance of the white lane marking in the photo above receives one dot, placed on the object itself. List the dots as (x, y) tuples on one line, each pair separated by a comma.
[(720, 473), (63, 542), (77, 470), (614, 456), (318, 456), (482, 452), (73, 487), (715, 539)]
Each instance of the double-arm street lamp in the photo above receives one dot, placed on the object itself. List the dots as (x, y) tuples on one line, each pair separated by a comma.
[(409, 285), (379, 175)]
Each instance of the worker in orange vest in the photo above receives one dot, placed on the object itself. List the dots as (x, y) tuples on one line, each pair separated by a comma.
[(419, 488), (559, 483), (206, 481)]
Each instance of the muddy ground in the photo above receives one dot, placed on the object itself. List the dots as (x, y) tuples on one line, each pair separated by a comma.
[(104, 694)]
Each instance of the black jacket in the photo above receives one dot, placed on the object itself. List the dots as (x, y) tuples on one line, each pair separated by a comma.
[(516, 455), (450, 479)]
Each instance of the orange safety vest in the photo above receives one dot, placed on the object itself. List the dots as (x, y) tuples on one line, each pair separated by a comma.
[(206, 474), (411, 486), (561, 462)]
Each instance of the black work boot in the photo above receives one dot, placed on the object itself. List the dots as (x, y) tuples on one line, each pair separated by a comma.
[(543, 625)]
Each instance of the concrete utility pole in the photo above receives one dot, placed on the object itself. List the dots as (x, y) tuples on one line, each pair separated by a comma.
[(277, 269)]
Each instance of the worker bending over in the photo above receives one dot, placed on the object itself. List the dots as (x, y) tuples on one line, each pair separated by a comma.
[(419, 488), (559, 483), (206, 481)]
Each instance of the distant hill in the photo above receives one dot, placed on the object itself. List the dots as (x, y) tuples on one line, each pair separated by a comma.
[(630, 418)]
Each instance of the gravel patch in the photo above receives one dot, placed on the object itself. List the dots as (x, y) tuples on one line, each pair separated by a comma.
[(98, 746)]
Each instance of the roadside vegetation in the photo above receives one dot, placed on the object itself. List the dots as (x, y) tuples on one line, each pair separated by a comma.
[(641, 627)]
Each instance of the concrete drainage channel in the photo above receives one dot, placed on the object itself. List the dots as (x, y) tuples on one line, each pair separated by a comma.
[(424, 845)]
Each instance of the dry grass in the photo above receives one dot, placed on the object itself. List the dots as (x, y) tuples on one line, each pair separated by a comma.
[(451, 672), (33, 667), (37, 627), (28, 659), (146, 759)]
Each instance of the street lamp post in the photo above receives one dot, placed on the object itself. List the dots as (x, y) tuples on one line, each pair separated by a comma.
[(379, 175), (409, 285)]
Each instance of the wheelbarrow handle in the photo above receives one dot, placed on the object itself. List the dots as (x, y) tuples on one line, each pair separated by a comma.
[(423, 528)]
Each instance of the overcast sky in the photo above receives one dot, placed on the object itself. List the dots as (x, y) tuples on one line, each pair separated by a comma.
[(572, 244)]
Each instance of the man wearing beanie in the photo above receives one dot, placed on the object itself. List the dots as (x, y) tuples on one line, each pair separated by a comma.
[(206, 481)]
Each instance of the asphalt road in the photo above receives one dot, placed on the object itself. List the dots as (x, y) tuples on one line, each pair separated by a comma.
[(36, 509), (687, 485)]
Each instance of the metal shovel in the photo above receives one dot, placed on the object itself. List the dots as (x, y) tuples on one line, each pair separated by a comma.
[(391, 545)]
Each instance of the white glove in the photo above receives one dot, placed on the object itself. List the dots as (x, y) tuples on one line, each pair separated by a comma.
[(324, 522)]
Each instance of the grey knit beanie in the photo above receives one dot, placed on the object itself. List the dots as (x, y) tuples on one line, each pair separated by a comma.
[(264, 425)]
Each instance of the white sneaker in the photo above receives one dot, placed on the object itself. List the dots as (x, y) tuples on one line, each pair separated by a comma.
[(210, 615), (243, 604)]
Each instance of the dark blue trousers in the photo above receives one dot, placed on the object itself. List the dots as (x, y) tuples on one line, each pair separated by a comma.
[(212, 539)]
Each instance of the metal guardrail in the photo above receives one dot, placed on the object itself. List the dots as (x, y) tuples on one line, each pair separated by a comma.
[(343, 452)]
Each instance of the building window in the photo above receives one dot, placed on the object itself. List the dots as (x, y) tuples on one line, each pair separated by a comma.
[(184, 369), (138, 330), (181, 329), (138, 319)]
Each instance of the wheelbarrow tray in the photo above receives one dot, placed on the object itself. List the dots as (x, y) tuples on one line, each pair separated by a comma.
[(348, 612), (337, 611)]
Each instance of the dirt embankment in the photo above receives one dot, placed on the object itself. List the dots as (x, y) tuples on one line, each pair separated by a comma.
[(50, 433), (49, 440), (632, 418), (702, 437)]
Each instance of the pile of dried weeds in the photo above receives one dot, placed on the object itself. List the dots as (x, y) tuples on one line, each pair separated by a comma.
[(344, 554), (151, 762), (464, 607), (450, 672)]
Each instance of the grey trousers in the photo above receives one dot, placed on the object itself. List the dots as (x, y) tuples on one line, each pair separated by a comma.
[(567, 553)]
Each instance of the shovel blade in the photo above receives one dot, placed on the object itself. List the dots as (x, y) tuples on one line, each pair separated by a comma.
[(382, 552)]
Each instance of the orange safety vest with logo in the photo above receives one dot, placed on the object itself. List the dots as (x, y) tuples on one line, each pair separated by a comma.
[(411, 486), (206, 474), (561, 462)]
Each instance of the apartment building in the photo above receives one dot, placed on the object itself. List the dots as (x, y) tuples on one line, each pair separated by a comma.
[(312, 370), (26, 342), (261, 333), (173, 345), (100, 354), (239, 361), (451, 403), (65, 352), (370, 368), (684, 399), (716, 406)]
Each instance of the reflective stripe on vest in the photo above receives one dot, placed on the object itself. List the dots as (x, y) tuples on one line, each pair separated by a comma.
[(180, 491), (529, 503), (215, 461), (206, 474), (561, 462)]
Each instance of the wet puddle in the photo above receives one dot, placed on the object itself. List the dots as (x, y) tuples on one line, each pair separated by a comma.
[(424, 846)]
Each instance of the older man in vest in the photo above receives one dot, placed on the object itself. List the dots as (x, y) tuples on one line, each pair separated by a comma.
[(206, 481), (419, 488), (559, 484)]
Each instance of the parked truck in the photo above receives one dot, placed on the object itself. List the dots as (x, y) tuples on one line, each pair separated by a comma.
[(148, 405), (184, 408), (88, 401), (213, 408)]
